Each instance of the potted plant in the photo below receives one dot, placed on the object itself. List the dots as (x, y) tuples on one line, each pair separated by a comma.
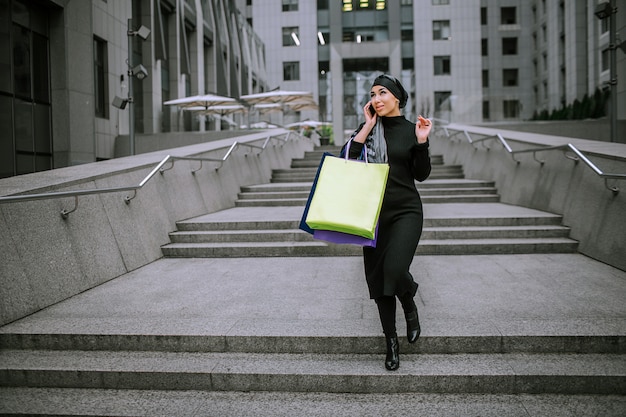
[(326, 134)]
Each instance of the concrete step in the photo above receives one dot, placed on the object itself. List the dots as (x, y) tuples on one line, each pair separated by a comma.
[(302, 178), (429, 233), (295, 199), (507, 373), (312, 336), (430, 184), (435, 215), (83, 402), (319, 248), (313, 162), (302, 174)]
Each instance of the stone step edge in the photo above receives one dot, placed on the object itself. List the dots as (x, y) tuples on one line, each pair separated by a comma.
[(62, 401), (428, 222), (314, 344), (423, 243), (464, 373)]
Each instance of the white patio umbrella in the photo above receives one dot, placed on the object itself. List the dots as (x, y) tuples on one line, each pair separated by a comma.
[(276, 96), (308, 123), (219, 110), (265, 108), (203, 100)]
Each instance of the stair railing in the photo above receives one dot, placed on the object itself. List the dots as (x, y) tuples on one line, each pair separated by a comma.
[(578, 154), (158, 168)]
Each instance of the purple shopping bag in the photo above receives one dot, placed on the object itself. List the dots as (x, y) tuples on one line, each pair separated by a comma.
[(345, 238)]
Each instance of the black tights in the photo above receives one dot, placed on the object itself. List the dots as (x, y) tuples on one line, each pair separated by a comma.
[(387, 311)]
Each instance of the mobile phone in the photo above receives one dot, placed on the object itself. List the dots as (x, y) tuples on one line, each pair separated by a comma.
[(372, 110)]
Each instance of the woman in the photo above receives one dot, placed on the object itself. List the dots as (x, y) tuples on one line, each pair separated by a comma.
[(392, 139)]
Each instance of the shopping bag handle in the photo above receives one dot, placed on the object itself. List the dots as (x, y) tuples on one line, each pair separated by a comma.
[(347, 153)]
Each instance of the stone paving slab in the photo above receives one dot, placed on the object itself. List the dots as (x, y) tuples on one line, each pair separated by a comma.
[(540, 294)]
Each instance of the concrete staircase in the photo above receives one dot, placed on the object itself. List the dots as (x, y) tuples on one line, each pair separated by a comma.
[(462, 216), (232, 366)]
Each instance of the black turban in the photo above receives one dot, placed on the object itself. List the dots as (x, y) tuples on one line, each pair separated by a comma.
[(393, 85)]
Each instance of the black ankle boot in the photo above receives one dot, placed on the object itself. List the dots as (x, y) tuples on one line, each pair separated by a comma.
[(413, 329), (392, 360)]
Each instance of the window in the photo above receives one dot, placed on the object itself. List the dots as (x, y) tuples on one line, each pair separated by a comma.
[(354, 5), (322, 4), (486, 114), (510, 109), (290, 5), (100, 78), (291, 36), (291, 71), (407, 34), (442, 65), (483, 16), (508, 16), (440, 2), (484, 47), (509, 77), (605, 60), (604, 25), (406, 2), (509, 46), (442, 100), (485, 78), (441, 30)]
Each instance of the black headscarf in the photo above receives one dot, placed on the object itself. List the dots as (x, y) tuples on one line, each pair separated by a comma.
[(393, 85)]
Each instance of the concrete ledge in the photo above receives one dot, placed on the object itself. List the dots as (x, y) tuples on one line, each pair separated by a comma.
[(559, 185), (47, 259)]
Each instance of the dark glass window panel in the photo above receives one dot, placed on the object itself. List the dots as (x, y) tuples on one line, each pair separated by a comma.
[(43, 162), (24, 164), (41, 83), (24, 126), (100, 84), (7, 150), (509, 46), (21, 61), (508, 15), (5, 48), (20, 14), (43, 141)]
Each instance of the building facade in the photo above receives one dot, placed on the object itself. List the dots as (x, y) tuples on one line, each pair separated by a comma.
[(65, 62), (466, 61)]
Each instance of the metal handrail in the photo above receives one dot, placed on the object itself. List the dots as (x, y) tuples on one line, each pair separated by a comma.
[(568, 147), (158, 168)]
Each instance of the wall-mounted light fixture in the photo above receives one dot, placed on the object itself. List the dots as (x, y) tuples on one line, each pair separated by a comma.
[(138, 71), (120, 103), (603, 10), (295, 38), (607, 10)]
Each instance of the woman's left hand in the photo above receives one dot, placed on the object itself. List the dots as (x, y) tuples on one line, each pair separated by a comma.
[(422, 129)]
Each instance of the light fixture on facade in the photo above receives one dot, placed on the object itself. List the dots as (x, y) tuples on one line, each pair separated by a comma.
[(294, 36), (120, 103), (603, 10), (607, 10), (320, 36), (139, 71), (143, 32)]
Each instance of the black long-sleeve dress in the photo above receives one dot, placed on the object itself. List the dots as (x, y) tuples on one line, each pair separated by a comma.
[(401, 217)]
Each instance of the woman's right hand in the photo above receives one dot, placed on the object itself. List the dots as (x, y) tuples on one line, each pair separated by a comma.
[(370, 122), (370, 116)]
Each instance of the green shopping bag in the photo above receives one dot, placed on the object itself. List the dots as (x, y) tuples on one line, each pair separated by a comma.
[(348, 196)]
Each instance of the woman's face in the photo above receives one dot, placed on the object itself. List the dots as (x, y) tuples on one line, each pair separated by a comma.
[(385, 103)]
